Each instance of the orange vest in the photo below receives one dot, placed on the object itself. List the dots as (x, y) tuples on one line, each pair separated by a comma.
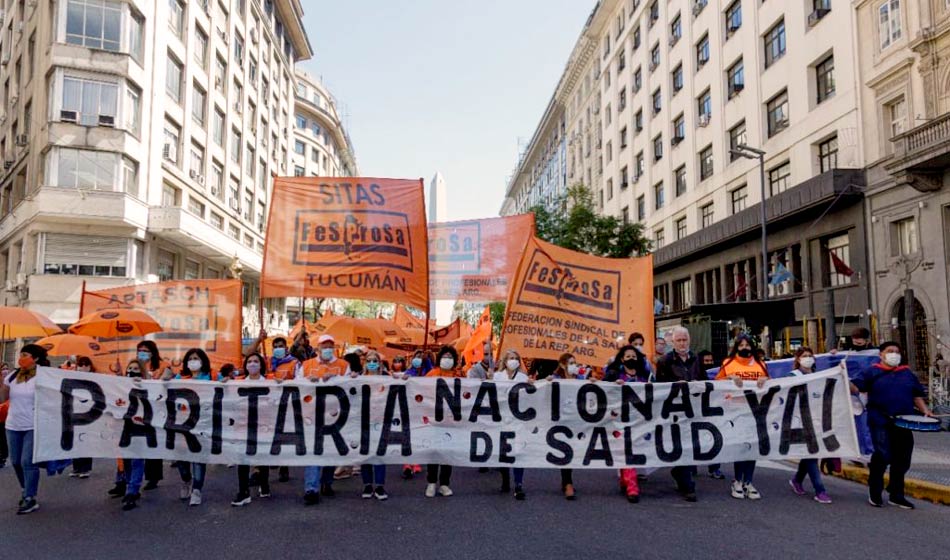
[(439, 372), (284, 371), (316, 368), (738, 367), (162, 366)]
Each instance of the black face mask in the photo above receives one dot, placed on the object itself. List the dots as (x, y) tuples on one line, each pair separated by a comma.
[(630, 364), (744, 353), (708, 367)]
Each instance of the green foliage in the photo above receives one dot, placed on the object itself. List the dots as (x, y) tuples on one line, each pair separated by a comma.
[(497, 310)]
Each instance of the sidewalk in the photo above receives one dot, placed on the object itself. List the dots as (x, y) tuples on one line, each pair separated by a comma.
[(929, 475)]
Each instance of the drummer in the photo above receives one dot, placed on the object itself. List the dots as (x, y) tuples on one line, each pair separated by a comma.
[(893, 390)]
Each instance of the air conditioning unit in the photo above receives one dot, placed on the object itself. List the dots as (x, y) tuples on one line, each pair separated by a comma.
[(168, 153), (736, 88), (667, 308), (107, 121), (22, 140), (200, 179), (704, 120), (698, 6), (676, 140), (214, 191), (815, 17), (235, 204), (69, 116)]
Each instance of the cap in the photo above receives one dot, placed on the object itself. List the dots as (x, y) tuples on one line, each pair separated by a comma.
[(325, 338)]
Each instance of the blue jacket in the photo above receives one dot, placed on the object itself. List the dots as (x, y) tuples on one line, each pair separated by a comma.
[(891, 392)]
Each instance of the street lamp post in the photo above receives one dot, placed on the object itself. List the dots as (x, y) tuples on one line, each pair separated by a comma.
[(753, 153)]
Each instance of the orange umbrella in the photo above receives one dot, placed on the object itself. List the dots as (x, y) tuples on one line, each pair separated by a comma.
[(70, 345), (311, 327), (112, 323), (348, 330), (17, 322)]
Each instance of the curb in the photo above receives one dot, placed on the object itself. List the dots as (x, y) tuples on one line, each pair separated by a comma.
[(920, 489)]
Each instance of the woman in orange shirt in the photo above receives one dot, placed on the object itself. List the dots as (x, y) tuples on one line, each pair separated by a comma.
[(743, 365), (439, 476)]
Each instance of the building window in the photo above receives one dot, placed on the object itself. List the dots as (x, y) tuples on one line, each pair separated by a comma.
[(904, 237), (654, 12), (839, 260), (217, 127), (173, 73), (136, 35), (676, 30), (657, 101), (85, 169), (736, 138), (775, 43), (678, 78), (621, 62), (680, 228), (176, 16), (779, 178), (733, 18), (636, 38), (235, 146), (637, 79), (828, 154), (704, 107), (679, 130), (217, 180), (165, 265), (889, 22), (739, 197), (299, 171), (85, 255), (658, 197), (655, 57), (680, 182), (638, 120), (706, 215), (702, 51), (825, 78), (641, 208), (610, 189), (133, 109), (608, 151), (624, 177), (897, 115), (198, 102), (234, 232), (682, 294), (172, 142), (658, 148), (638, 169), (217, 220), (89, 99), (777, 111), (736, 78), (171, 197), (197, 159), (623, 138), (659, 239), (220, 74), (625, 215), (196, 207), (201, 48), (706, 163), (94, 24), (622, 100), (300, 121), (300, 148), (239, 50)]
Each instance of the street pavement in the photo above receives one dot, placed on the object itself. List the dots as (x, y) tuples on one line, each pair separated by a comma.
[(931, 458), (77, 520)]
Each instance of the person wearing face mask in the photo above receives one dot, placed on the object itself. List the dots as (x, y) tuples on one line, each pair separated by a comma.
[(319, 480), (398, 369), (419, 365), (637, 340), (628, 366), (659, 349), (252, 372), (155, 368), (567, 368), (129, 479), (805, 364), (374, 476), (195, 366), (742, 365), (19, 388), (511, 369), (438, 477), (82, 467), (708, 362), (482, 369), (283, 365), (893, 390)]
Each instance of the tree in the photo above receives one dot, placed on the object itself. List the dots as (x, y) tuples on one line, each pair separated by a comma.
[(575, 225)]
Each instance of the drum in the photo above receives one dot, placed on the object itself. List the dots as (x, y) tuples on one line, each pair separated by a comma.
[(917, 423)]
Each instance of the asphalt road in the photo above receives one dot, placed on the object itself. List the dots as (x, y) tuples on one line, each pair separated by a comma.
[(77, 520)]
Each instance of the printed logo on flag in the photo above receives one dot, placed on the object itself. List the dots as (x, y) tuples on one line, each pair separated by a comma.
[(583, 291), (363, 237), (455, 248)]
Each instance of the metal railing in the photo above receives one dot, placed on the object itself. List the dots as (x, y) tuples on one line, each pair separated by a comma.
[(923, 136)]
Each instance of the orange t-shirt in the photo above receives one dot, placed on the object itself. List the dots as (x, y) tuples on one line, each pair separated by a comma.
[(314, 367), (158, 372), (742, 368), (439, 372), (284, 371)]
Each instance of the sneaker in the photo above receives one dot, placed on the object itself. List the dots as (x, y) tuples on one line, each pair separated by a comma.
[(900, 502), (73, 474), (311, 498), (242, 499), (690, 497), (737, 491), (519, 493), (380, 494), (129, 502), (797, 487), (875, 500), (445, 491), (717, 474), (195, 498), (118, 490), (82, 475), (185, 492), (407, 473), (430, 490), (569, 493), (29, 506), (151, 485), (633, 498), (327, 491), (263, 492), (822, 498), (751, 493), (342, 473), (367, 492)]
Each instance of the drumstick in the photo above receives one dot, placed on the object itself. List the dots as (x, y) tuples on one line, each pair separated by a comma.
[(940, 415)]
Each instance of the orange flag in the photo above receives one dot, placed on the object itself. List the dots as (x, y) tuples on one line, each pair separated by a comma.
[(474, 260), (357, 238), (446, 334), (563, 301), (475, 348), (407, 320)]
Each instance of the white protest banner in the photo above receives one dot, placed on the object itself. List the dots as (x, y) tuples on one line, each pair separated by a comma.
[(464, 422)]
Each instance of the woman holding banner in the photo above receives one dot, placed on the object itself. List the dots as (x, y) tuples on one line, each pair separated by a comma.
[(129, 479), (438, 477), (803, 365), (82, 467), (19, 389), (567, 368), (374, 476), (156, 367), (743, 365), (510, 368), (253, 370), (628, 366), (196, 366)]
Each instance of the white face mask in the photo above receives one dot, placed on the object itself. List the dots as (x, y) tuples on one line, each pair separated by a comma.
[(253, 368), (82, 368), (194, 366), (512, 364), (892, 359), (447, 363), (572, 369), (807, 362)]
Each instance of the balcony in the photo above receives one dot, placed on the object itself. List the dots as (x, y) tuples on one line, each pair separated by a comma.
[(194, 234), (921, 154)]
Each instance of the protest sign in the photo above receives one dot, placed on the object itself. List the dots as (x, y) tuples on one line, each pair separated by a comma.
[(357, 238), (202, 314), (464, 422), (565, 301), (474, 260)]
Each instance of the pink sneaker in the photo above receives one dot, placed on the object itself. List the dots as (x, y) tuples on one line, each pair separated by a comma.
[(822, 498), (797, 487)]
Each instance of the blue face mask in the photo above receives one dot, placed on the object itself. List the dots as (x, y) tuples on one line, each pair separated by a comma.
[(144, 356), (372, 366), (326, 354), (417, 362), (279, 353)]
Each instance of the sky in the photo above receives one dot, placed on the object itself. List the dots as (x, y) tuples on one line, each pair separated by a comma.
[(443, 85)]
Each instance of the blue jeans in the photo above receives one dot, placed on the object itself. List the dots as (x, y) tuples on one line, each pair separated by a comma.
[(313, 477), (810, 467), (21, 456), (133, 471), (373, 474), (744, 471), (193, 473)]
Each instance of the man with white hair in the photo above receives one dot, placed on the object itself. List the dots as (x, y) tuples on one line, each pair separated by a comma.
[(678, 366)]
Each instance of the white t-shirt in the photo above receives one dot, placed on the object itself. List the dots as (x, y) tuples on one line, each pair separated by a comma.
[(503, 376), (22, 395)]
